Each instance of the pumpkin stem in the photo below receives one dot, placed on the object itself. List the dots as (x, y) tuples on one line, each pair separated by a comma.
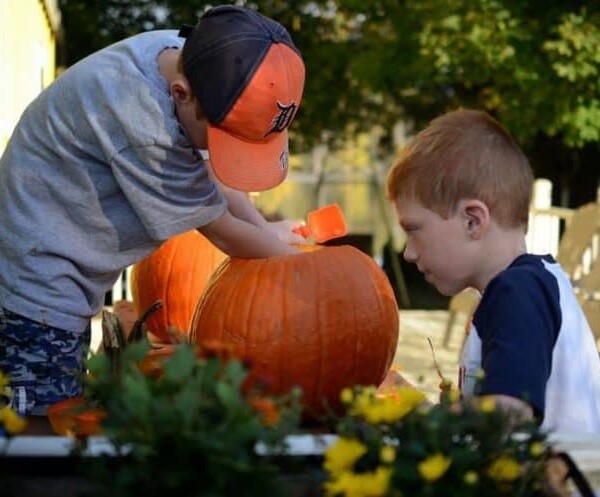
[(138, 332), (113, 338)]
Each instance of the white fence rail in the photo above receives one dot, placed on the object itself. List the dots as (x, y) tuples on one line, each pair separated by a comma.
[(545, 221), (121, 290)]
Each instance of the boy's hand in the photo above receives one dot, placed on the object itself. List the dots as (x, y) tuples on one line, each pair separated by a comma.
[(284, 231), (393, 379), (241, 238)]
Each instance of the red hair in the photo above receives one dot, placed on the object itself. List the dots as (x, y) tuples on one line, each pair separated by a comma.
[(465, 154)]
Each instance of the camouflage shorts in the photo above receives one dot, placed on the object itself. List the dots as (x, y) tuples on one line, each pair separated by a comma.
[(45, 364)]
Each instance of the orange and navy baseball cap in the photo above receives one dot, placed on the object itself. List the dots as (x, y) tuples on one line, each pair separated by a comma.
[(248, 77)]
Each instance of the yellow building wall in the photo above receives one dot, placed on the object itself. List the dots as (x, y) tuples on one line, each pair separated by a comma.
[(28, 31)]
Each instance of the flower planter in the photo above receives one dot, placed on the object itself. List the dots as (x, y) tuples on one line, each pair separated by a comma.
[(43, 466)]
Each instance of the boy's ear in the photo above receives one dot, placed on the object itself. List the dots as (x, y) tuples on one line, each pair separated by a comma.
[(182, 93), (181, 90), (476, 217)]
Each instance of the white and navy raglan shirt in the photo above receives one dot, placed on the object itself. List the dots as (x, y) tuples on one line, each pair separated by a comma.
[(532, 341)]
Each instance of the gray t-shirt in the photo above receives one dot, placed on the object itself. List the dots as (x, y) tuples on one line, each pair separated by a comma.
[(97, 174)]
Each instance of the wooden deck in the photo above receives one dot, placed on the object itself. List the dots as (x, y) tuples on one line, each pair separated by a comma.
[(414, 358)]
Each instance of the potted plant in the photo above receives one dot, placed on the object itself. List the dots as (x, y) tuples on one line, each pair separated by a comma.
[(398, 445), (10, 422), (193, 428)]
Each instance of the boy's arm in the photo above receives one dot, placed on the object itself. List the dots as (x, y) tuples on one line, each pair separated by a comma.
[(239, 238), (240, 205)]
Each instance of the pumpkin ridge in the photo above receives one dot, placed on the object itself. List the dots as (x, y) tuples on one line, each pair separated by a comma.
[(281, 343), (167, 294), (240, 295), (349, 278), (197, 273), (318, 387), (188, 278), (373, 290), (357, 334), (195, 327)]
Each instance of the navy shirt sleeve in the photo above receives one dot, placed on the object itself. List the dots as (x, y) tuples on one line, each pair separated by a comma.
[(518, 321)]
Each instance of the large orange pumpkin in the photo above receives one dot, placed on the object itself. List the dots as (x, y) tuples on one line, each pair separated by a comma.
[(176, 273), (322, 320)]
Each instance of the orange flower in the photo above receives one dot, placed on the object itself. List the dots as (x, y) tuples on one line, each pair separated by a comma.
[(267, 408), (216, 349)]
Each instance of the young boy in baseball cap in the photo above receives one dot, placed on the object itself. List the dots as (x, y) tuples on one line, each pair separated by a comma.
[(105, 165)]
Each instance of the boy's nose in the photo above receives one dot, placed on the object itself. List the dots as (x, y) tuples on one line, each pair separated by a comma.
[(409, 254)]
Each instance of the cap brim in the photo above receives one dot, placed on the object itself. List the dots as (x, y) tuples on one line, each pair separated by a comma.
[(248, 166)]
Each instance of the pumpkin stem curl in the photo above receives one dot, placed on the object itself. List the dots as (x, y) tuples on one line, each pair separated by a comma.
[(139, 331), (115, 338)]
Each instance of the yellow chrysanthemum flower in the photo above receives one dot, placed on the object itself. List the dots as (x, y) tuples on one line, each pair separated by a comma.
[(434, 467), (471, 478), (537, 449), (338, 485), (346, 396), (370, 484), (342, 454), (387, 454), (454, 395), (388, 409), (504, 468), (487, 403), (7, 392), (12, 422), (4, 381), (362, 400)]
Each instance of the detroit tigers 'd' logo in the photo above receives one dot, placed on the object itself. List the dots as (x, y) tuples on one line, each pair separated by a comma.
[(283, 118)]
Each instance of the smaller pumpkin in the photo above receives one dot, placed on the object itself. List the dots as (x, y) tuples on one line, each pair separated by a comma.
[(176, 274)]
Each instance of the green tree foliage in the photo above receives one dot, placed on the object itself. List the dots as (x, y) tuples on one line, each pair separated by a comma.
[(533, 64)]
